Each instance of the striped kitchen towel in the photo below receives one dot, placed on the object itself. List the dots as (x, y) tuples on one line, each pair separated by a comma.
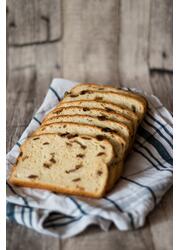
[(146, 178)]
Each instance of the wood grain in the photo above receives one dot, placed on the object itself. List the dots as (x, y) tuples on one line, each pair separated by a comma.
[(23, 97), (21, 238), (161, 224), (33, 22), (83, 44), (160, 35), (161, 83), (133, 43), (119, 42), (93, 237)]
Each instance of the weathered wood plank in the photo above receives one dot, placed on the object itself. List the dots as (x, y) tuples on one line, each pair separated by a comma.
[(162, 86), (46, 59), (89, 50), (13, 133), (20, 78), (161, 41), (48, 65), (94, 238), (20, 237), (133, 44), (38, 64), (17, 115), (33, 22), (21, 102), (161, 223), (21, 58)]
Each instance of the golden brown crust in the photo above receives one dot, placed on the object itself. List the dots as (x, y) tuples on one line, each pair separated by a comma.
[(54, 188)]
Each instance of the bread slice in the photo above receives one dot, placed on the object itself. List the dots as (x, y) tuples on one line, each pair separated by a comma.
[(68, 129), (61, 164), (101, 114), (107, 106), (106, 125), (108, 88), (73, 129), (120, 99)]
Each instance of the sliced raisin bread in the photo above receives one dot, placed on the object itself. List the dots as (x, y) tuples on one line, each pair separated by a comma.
[(76, 165), (66, 129), (101, 114), (81, 145), (134, 104), (107, 88), (106, 125), (109, 107)]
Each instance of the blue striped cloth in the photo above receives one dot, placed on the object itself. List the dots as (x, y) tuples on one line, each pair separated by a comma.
[(146, 178)]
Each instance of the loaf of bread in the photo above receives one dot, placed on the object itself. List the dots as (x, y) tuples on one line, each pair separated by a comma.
[(82, 143), (75, 165)]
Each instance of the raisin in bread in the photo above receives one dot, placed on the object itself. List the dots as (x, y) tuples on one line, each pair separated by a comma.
[(132, 103), (99, 113), (73, 129), (107, 106), (67, 165), (105, 124)]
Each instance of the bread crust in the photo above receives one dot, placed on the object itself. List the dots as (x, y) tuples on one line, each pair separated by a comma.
[(54, 188)]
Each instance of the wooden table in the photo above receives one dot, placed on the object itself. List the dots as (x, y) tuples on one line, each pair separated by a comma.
[(119, 42)]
